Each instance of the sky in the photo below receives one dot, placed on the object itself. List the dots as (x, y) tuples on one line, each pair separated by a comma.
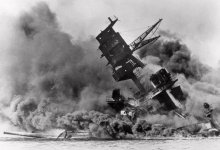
[(196, 23)]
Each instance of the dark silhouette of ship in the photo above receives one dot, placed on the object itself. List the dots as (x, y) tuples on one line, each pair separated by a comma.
[(126, 66)]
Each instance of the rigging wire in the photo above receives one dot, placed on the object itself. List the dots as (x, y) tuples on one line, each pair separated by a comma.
[(155, 30), (134, 29)]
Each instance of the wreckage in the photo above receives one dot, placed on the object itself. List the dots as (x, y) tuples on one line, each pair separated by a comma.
[(126, 66)]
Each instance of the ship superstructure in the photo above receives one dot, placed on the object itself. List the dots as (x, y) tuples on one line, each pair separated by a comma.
[(126, 66)]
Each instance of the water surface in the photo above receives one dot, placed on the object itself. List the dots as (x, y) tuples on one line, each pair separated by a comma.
[(51, 144)]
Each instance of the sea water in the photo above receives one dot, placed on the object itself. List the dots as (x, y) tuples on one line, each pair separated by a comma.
[(147, 144)]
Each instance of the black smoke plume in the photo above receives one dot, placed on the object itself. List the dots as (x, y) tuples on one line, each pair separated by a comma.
[(176, 57), (49, 75), (55, 81)]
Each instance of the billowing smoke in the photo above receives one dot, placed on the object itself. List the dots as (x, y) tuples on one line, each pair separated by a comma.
[(50, 76), (56, 81), (199, 82), (176, 57)]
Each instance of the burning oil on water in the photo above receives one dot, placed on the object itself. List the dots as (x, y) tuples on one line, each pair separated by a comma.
[(54, 82)]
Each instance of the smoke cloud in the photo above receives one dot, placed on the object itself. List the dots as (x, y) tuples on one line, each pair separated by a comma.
[(176, 57), (54, 81), (199, 82), (50, 76)]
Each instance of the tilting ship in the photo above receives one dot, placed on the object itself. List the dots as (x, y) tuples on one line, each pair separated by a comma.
[(126, 66)]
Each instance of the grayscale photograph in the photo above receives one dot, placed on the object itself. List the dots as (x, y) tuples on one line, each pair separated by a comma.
[(109, 75)]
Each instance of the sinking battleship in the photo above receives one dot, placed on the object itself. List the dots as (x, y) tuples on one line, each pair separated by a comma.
[(126, 66)]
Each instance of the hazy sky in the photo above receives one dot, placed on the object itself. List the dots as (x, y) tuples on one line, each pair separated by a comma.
[(196, 22)]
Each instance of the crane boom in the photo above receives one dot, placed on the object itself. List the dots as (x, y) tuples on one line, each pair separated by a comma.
[(137, 43)]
